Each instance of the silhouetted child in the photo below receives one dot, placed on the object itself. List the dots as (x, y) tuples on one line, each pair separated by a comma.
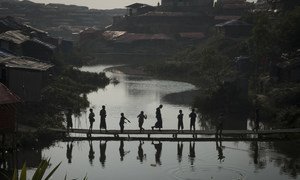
[(141, 117), (91, 119), (180, 120), (122, 122), (256, 120), (193, 116), (219, 127)]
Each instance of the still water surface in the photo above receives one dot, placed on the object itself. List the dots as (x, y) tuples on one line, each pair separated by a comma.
[(131, 160)]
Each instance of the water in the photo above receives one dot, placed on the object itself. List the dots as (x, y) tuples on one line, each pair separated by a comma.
[(131, 160), (132, 95)]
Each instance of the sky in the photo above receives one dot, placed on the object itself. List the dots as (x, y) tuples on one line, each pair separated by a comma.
[(101, 4)]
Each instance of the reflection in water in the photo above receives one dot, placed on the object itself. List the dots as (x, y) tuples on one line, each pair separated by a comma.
[(158, 148), (141, 156), (69, 152), (102, 153), (121, 150), (258, 157), (179, 151), (91, 153), (219, 149), (192, 154)]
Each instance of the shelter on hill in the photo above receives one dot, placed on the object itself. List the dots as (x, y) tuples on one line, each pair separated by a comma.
[(138, 9), (24, 76), (234, 28), (23, 45)]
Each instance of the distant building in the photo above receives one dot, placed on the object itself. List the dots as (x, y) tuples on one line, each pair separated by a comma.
[(234, 28), (8, 101), (24, 76), (138, 9), (22, 45), (187, 5), (232, 7)]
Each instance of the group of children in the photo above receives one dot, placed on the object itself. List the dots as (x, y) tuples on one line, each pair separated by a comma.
[(141, 118)]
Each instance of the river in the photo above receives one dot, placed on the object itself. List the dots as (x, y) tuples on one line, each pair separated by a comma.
[(131, 160)]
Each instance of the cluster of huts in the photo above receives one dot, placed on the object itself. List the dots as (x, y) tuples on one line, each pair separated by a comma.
[(26, 57)]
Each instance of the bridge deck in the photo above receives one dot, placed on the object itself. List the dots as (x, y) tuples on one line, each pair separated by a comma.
[(175, 132)]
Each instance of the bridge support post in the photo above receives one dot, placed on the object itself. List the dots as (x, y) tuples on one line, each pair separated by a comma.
[(148, 135)]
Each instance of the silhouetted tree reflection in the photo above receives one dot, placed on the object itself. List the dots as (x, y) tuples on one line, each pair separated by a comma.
[(141, 156), (219, 148), (69, 152), (102, 153), (121, 150), (192, 153), (289, 164), (91, 153), (179, 151), (158, 148)]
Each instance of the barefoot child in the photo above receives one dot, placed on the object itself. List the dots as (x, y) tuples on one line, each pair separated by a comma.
[(122, 122), (141, 117)]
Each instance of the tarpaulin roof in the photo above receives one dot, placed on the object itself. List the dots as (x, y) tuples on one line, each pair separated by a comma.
[(6, 96)]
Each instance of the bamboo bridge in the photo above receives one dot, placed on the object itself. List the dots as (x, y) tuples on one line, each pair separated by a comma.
[(175, 135)]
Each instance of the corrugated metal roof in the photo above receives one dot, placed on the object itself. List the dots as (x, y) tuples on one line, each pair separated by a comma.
[(6, 96), (25, 63), (112, 35), (50, 46), (18, 37), (14, 36), (9, 23)]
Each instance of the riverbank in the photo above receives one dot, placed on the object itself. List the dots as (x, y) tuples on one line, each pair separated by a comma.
[(65, 91)]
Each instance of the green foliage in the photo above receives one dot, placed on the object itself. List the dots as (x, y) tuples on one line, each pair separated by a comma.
[(39, 173), (66, 91)]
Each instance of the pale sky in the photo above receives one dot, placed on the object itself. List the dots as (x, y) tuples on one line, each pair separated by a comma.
[(101, 4)]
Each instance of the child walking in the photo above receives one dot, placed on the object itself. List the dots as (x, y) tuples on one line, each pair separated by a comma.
[(141, 117), (122, 122)]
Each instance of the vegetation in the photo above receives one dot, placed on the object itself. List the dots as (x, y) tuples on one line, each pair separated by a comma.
[(212, 65), (39, 173)]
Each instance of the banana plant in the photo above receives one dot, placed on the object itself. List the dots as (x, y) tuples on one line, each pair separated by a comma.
[(38, 174)]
